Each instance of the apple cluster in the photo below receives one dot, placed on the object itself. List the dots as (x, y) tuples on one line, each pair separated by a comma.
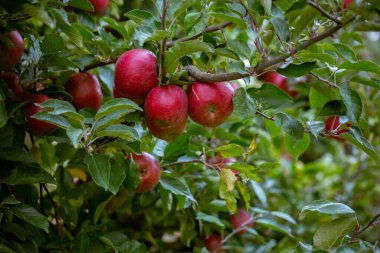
[(166, 107)]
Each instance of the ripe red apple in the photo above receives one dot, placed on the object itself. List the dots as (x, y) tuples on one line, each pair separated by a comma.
[(166, 111), (149, 171), (213, 243), (135, 73), (345, 3), (11, 53), (332, 125), (278, 80), (239, 219), (13, 81), (85, 90), (100, 6), (35, 126), (210, 104)]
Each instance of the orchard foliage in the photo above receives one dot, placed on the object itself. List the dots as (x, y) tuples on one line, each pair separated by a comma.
[(293, 167)]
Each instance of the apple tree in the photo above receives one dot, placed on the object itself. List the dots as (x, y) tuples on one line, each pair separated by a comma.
[(189, 126)]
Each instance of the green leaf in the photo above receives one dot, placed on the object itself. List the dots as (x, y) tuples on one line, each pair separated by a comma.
[(333, 107), (289, 125), (75, 135), (81, 4), (67, 27), (296, 149), (374, 83), (367, 66), (345, 51), (32, 174), (181, 49), (272, 224), (100, 208), (177, 147), (281, 28), (52, 43), (38, 13), (6, 249), (270, 96), (230, 150), (316, 127), (358, 140), (232, 17), (209, 218), (267, 4), (297, 70), (246, 169), (260, 193), (229, 197), (116, 105), (132, 178), (176, 186), (121, 131), (141, 17), (353, 103), (30, 215), (329, 234), (244, 193), (10, 200), (327, 207), (108, 174), (16, 155), (244, 105)]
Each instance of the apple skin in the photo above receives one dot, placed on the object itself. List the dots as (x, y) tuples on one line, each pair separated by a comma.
[(135, 73), (213, 242), (100, 6), (10, 55), (34, 126), (332, 124), (210, 104), (149, 171), (345, 3), (239, 218), (13, 81), (166, 111), (278, 80), (85, 90)]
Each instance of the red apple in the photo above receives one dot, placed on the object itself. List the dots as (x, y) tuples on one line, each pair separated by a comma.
[(11, 51), (213, 243), (85, 90), (149, 171), (135, 73), (332, 125), (278, 80), (210, 104), (345, 3), (166, 111), (239, 219), (35, 126), (13, 81), (100, 6)]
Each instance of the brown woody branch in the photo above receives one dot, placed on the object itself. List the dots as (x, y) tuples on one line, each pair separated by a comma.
[(361, 230), (323, 12), (207, 30), (330, 84), (220, 77)]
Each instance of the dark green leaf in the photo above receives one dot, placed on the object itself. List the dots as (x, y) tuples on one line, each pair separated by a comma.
[(121, 131), (52, 43), (209, 218), (297, 70), (296, 149), (244, 105), (333, 107), (270, 96), (175, 186), (230, 150), (115, 105), (177, 147), (272, 224), (353, 104), (81, 4), (281, 28), (31, 174), (345, 51), (375, 83), (289, 125), (316, 127), (16, 155), (30, 215), (361, 66)]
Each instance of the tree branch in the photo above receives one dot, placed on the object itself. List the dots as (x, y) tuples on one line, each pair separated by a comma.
[(207, 30), (56, 217), (361, 230), (330, 84), (220, 77), (323, 12), (100, 64), (163, 42)]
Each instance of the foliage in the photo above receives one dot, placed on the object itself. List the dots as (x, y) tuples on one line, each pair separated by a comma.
[(73, 190)]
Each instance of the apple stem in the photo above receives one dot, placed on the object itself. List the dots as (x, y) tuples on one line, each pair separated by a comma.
[(165, 6)]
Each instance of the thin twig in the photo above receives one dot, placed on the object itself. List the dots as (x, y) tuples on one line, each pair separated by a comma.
[(41, 201), (361, 230), (329, 83), (206, 30), (56, 217), (263, 65), (163, 42), (323, 12), (15, 18), (100, 63)]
